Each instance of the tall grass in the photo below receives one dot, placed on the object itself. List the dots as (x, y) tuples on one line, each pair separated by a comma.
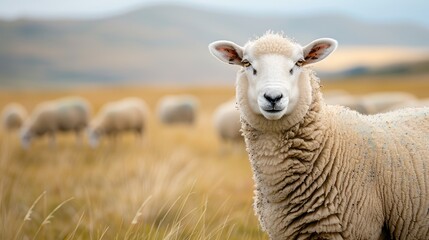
[(179, 183)]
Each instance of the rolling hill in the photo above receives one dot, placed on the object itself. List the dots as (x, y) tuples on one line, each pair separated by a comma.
[(164, 44)]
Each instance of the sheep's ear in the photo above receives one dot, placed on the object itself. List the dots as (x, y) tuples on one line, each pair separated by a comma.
[(227, 51), (319, 49)]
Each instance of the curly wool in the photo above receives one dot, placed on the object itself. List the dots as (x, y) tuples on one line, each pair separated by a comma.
[(271, 43), (326, 172)]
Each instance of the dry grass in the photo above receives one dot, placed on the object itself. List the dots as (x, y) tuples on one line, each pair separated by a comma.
[(179, 183)]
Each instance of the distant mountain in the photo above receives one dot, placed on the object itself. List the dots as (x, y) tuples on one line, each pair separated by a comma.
[(411, 68), (163, 44)]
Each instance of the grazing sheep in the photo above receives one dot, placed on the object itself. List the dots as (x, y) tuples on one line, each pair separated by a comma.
[(177, 109), (126, 115), (13, 116), (349, 101), (383, 101), (410, 104), (322, 171), (335, 93), (62, 115), (227, 123)]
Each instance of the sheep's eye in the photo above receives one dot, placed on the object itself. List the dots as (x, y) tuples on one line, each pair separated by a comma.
[(300, 62), (246, 63)]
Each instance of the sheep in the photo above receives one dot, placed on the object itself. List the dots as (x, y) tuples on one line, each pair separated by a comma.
[(335, 93), (61, 115), (383, 101), (410, 104), (126, 115), (323, 171), (13, 116), (226, 119), (349, 101), (372, 103), (177, 109)]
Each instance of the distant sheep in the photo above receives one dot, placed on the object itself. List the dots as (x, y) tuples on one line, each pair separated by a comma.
[(62, 115), (349, 101), (323, 171), (177, 109), (411, 104), (335, 93), (371, 103), (227, 123), (380, 102), (13, 116), (126, 115)]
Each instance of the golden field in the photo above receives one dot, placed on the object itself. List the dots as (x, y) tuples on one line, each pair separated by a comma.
[(346, 57), (180, 182)]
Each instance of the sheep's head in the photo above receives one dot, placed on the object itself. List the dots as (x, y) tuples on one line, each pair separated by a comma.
[(272, 65)]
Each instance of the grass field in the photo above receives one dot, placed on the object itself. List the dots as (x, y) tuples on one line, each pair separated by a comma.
[(178, 183)]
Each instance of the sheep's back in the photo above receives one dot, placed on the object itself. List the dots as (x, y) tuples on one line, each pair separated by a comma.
[(60, 115), (177, 109), (127, 114), (73, 116), (385, 159), (404, 151), (227, 121)]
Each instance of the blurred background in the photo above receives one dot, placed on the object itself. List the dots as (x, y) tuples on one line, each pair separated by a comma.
[(187, 177), (57, 44)]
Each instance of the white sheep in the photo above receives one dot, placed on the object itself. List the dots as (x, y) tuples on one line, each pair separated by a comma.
[(322, 171), (126, 115), (62, 115), (13, 116), (350, 101), (177, 109), (379, 102), (410, 104), (226, 119)]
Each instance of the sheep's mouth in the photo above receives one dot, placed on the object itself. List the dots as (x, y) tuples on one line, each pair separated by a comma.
[(272, 113), (272, 110)]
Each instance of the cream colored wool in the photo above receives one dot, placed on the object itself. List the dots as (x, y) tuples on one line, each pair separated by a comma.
[(327, 172), (384, 101), (349, 101), (177, 109), (61, 115), (227, 123), (126, 115)]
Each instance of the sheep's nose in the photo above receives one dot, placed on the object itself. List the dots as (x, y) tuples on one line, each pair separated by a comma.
[(273, 98)]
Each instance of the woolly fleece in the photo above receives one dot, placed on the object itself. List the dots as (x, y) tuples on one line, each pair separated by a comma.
[(327, 172)]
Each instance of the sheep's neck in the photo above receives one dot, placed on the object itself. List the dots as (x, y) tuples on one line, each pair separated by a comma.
[(289, 166), (286, 156)]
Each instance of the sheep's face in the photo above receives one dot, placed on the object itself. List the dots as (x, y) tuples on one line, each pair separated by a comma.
[(272, 65), (272, 84)]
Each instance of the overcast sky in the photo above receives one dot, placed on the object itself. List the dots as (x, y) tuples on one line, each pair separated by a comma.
[(380, 10)]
